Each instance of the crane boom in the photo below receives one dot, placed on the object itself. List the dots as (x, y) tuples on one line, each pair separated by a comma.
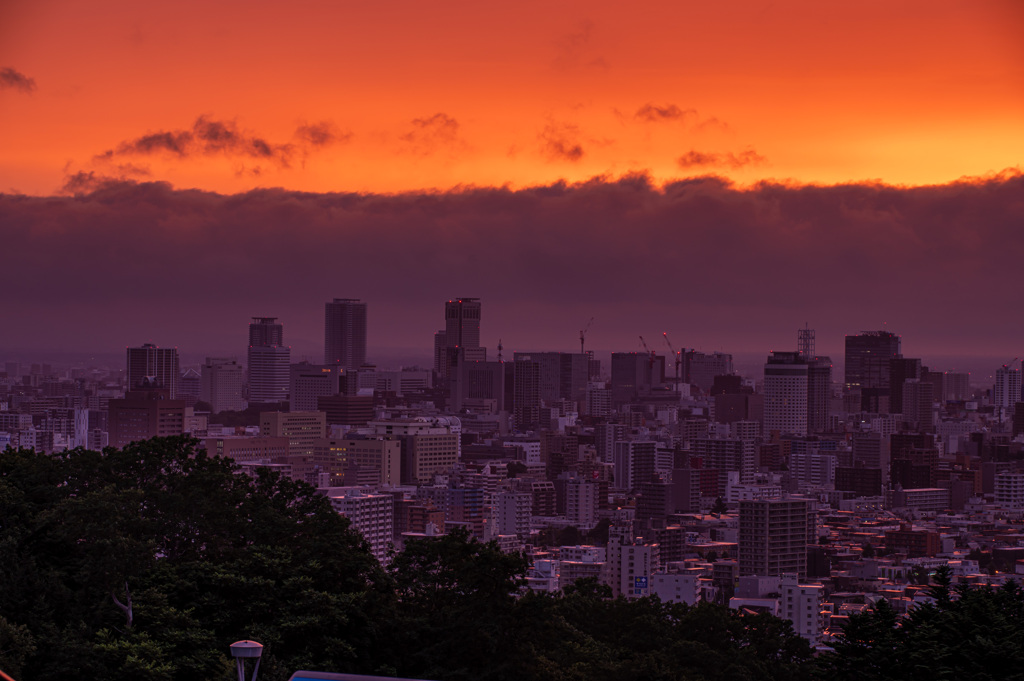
[(583, 335), (678, 355)]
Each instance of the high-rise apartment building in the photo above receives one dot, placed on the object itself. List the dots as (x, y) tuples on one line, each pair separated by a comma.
[(773, 537), (152, 367), (269, 359), (1007, 390), (345, 333), (372, 516)]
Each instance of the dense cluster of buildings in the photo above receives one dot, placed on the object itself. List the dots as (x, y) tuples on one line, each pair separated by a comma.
[(798, 491)]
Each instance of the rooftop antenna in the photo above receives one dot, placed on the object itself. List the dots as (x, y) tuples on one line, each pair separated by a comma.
[(500, 348), (246, 650)]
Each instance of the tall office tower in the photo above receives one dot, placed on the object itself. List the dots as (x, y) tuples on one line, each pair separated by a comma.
[(785, 394), (819, 394), (700, 369), (221, 384), (152, 367), (269, 359), (773, 537), (479, 386), (462, 323), (461, 335), (440, 350), (956, 387), (901, 370), (563, 375), (345, 333), (631, 376), (867, 367), (916, 400), (1006, 392), (526, 390), (265, 331)]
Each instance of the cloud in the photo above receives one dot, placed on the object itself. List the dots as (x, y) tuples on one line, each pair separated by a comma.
[(652, 113), (322, 134), (431, 134), (560, 142), (15, 80), (210, 137), (700, 159), (728, 268)]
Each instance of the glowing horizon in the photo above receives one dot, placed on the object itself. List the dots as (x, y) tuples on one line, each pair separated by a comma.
[(401, 97)]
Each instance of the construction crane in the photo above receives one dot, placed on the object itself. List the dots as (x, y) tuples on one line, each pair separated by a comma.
[(583, 335), (647, 349), (1010, 363), (678, 355)]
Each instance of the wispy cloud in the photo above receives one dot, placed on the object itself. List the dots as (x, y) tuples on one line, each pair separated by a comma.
[(430, 134), (561, 142), (15, 80), (653, 113), (211, 137), (701, 159)]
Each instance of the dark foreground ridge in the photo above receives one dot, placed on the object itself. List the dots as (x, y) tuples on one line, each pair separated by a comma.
[(147, 562)]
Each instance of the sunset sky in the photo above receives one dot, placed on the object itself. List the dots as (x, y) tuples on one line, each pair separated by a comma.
[(866, 158)]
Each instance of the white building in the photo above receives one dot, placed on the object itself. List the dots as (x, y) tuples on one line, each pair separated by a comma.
[(512, 513), (637, 563), (372, 515), (1006, 392), (801, 605), (581, 502), (785, 394), (1010, 490)]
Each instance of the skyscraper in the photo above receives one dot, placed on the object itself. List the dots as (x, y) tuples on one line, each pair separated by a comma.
[(462, 323), (269, 359), (1007, 390), (867, 367), (345, 333), (461, 336), (785, 394), (153, 367)]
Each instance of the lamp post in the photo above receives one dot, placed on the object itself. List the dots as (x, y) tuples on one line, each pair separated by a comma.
[(246, 650)]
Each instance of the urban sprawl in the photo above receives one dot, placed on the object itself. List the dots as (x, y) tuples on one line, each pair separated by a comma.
[(796, 492)]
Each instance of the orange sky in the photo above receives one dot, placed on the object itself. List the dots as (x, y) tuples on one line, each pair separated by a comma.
[(409, 95)]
